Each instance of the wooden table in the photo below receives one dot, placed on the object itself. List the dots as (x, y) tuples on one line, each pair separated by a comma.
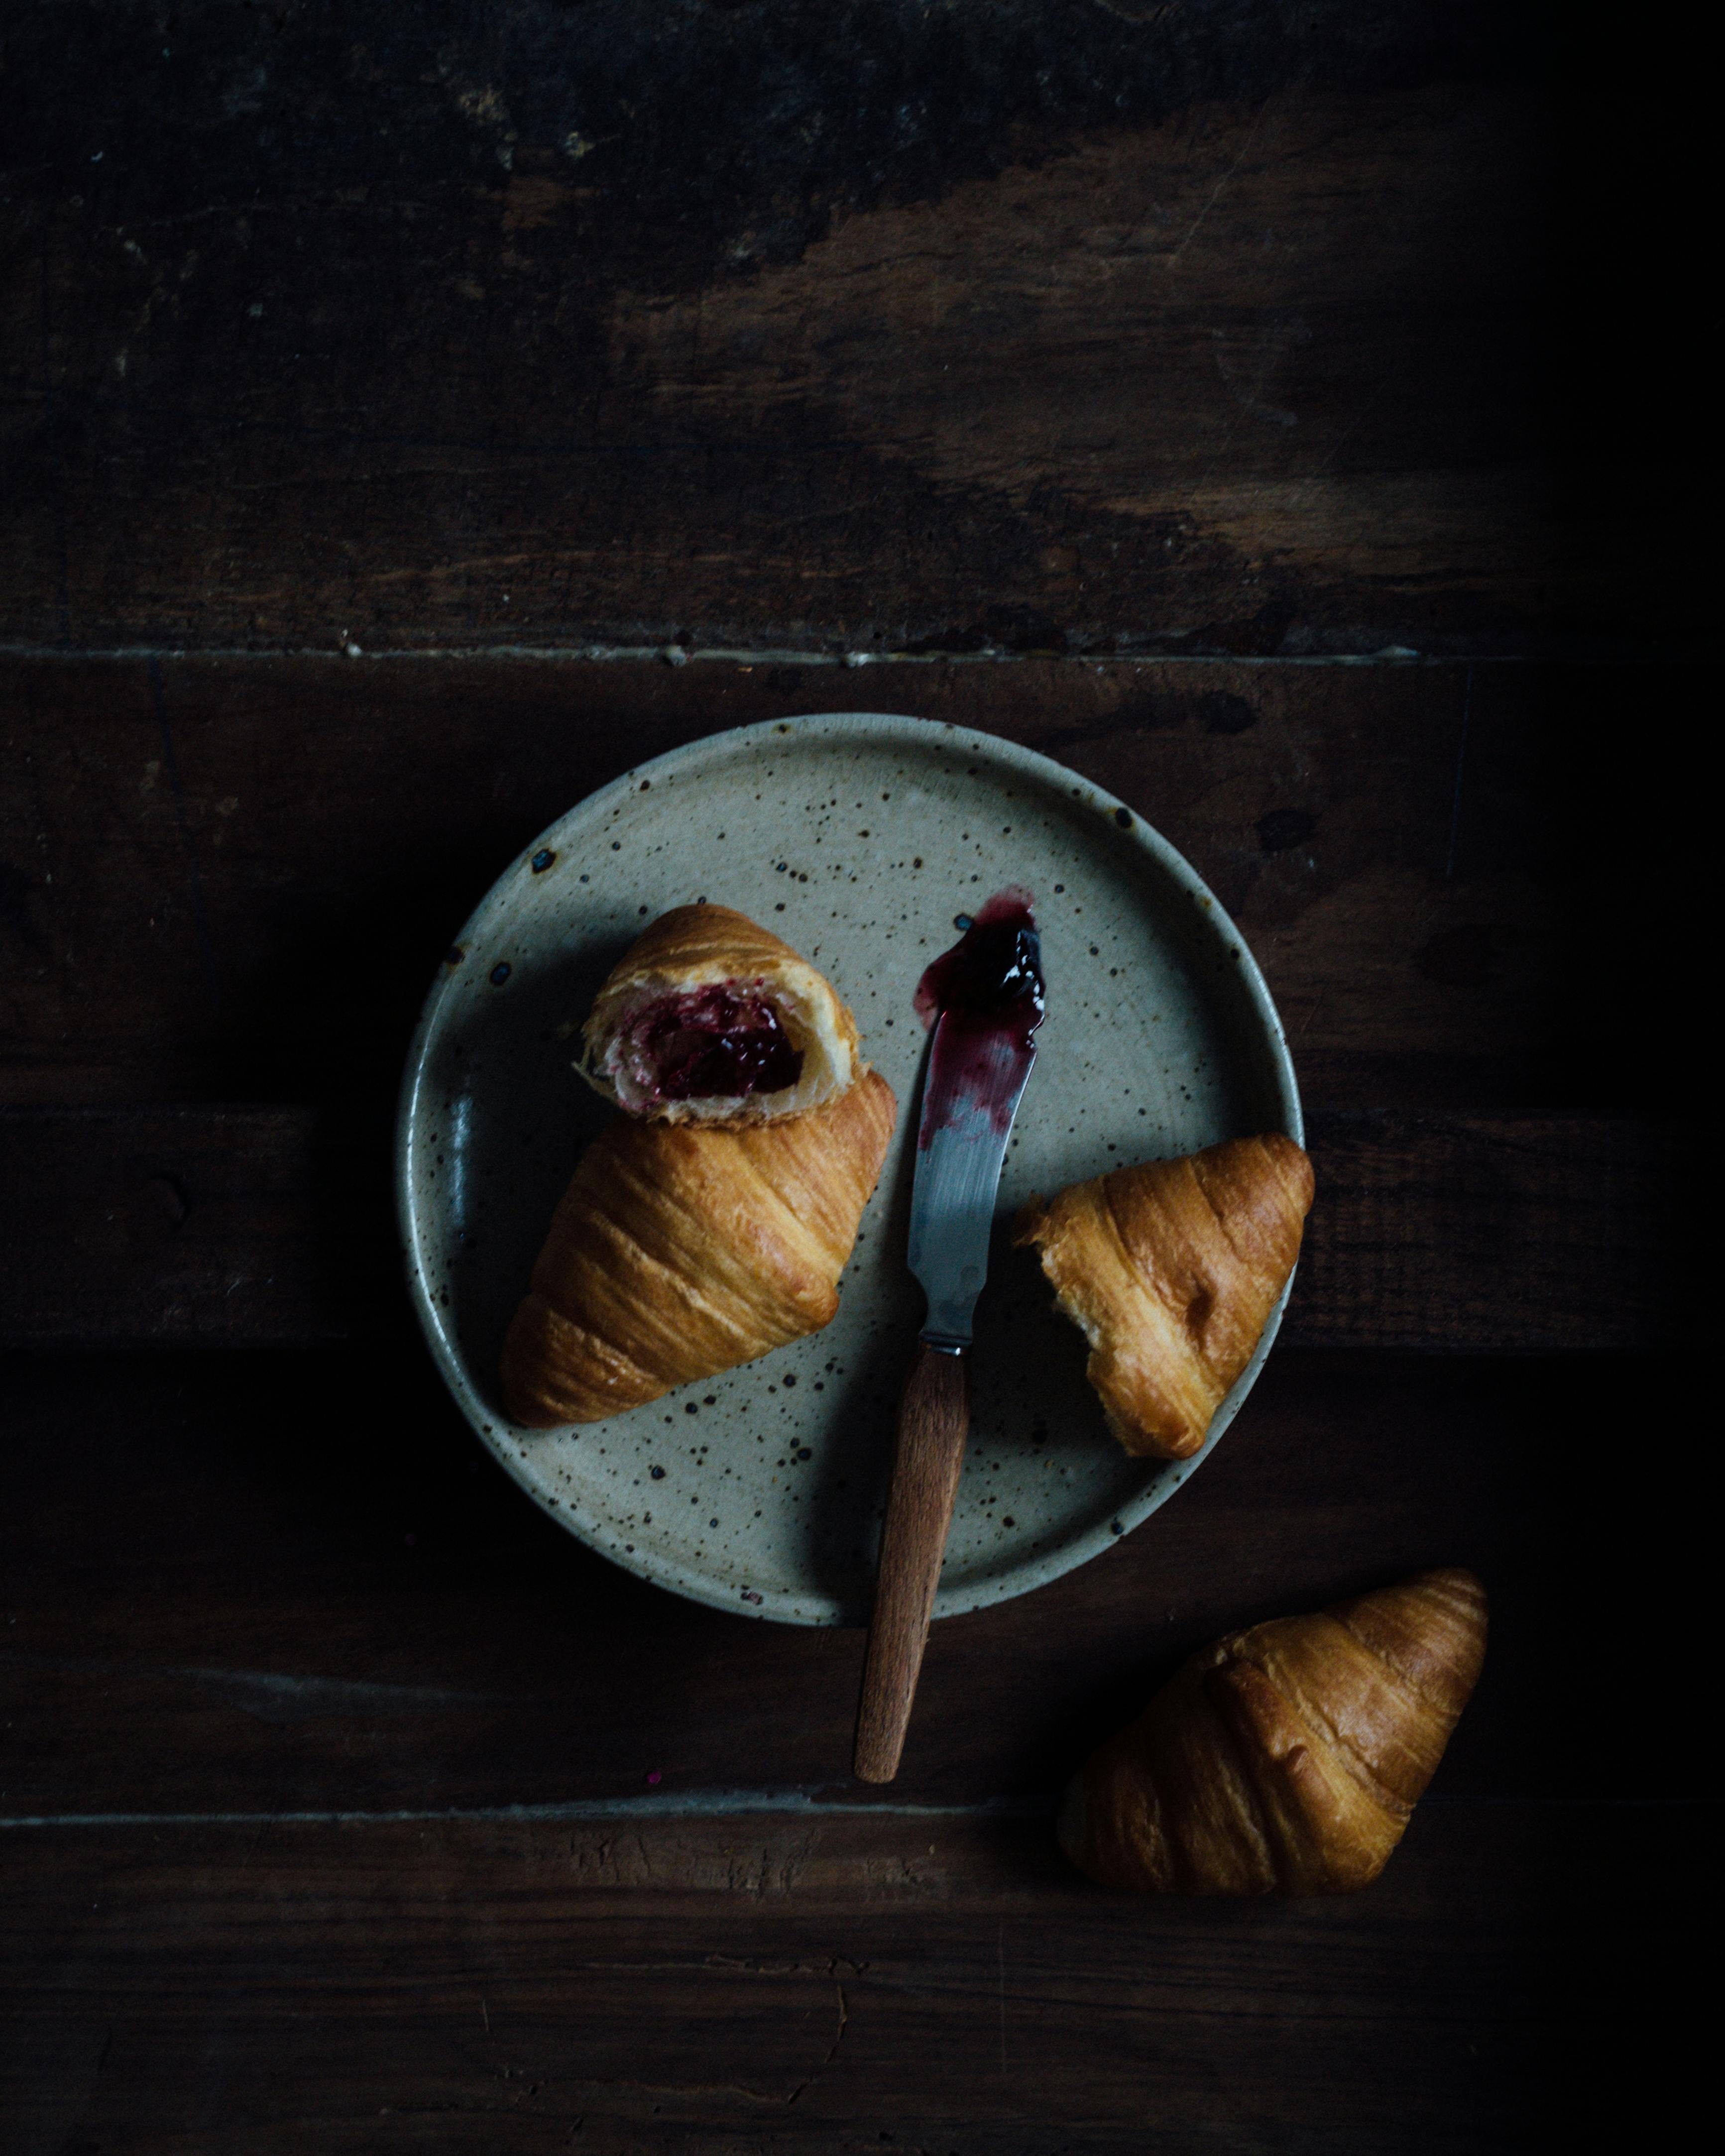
[(415, 418)]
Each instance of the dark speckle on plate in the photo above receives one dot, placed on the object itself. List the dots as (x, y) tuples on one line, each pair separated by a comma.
[(501, 973)]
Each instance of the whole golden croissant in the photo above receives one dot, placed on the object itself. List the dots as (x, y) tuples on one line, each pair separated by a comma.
[(681, 1249), (707, 1018), (1287, 1759), (1171, 1271)]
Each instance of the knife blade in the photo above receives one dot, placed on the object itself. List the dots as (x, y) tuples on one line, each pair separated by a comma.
[(961, 1146), (983, 1001)]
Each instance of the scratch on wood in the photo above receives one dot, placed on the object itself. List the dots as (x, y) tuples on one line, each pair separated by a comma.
[(1215, 193), (833, 2052)]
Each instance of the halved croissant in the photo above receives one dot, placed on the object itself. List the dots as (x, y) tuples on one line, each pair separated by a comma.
[(707, 1018), (1171, 1271), (679, 1251), (1287, 1759)]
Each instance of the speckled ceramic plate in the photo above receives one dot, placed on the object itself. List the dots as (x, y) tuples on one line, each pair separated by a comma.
[(857, 838)]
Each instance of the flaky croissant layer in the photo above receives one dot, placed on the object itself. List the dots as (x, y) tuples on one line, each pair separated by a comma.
[(785, 1042), (679, 1250), (1285, 1760), (1171, 1269)]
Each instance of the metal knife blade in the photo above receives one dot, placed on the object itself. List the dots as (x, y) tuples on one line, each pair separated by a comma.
[(961, 1146)]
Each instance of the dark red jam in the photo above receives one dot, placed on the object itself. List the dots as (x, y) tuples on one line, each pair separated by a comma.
[(987, 993), (991, 979), (714, 1044)]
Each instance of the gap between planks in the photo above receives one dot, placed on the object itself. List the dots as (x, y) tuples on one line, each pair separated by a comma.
[(675, 655), (682, 1804), (722, 1804)]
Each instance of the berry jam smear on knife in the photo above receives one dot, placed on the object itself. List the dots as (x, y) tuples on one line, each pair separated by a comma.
[(986, 997)]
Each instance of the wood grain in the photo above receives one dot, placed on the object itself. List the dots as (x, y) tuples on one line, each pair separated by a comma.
[(232, 1226), (274, 1582), (1516, 1235), (1098, 333), (1049, 338), (192, 1224), (826, 1987), (927, 1454), (233, 880)]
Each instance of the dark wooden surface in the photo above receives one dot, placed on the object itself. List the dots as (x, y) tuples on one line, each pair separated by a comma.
[(280, 1668), (242, 1583), (1235, 328), (232, 879), (1252, 406), (1439, 1233), (835, 1986)]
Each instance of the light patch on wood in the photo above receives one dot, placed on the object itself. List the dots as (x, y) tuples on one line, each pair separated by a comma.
[(1153, 325)]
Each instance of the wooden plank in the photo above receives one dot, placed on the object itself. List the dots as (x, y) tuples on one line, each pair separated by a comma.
[(276, 1582), (832, 1987), (1525, 1234), (1095, 332), (229, 1226), (233, 880), (177, 1225)]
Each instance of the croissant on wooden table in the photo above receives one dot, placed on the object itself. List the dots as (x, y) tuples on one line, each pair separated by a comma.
[(708, 1017), (1171, 1271), (1285, 1760), (679, 1250)]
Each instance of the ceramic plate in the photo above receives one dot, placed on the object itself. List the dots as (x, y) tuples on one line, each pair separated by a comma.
[(857, 838)]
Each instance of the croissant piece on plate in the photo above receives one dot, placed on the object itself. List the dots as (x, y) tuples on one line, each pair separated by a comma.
[(1171, 1271), (708, 1018), (679, 1250), (1287, 1759)]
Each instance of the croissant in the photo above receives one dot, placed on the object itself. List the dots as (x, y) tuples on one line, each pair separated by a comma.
[(1171, 1271), (1287, 1759), (680, 1250), (708, 1018)]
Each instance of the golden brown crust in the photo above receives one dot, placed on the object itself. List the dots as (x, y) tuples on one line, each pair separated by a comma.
[(700, 943), (1287, 1759), (679, 1250), (695, 947), (1171, 1271)]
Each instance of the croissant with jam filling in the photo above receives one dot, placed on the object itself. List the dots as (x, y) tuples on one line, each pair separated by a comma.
[(709, 1019), (682, 1250), (1171, 1271)]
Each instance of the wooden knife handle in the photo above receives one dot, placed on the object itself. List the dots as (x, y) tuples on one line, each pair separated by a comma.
[(933, 1420)]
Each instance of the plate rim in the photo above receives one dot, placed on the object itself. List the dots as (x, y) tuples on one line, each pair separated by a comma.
[(1034, 1572)]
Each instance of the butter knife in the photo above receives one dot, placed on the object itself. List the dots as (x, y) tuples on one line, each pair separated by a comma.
[(983, 1001)]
